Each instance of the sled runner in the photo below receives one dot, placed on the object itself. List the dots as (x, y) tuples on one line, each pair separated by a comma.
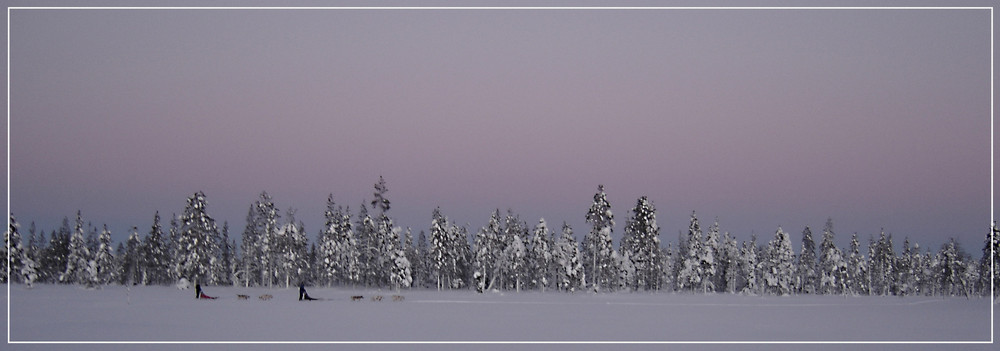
[(203, 296)]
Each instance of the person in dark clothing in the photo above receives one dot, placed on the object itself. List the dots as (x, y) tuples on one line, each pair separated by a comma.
[(302, 293), (199, 294)]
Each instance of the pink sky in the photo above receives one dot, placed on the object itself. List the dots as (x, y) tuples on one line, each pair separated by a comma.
[(877, 118)]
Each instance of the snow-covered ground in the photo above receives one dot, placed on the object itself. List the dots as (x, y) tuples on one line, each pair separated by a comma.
[(114, 313)]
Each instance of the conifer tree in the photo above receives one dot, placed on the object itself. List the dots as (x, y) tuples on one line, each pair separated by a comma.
[(413, 256), (438, 254), (857, 270), (421, 267), (881, 265), (104, 259), (331, 268), (691, 273), (569, 272), (9, 257), (196, 256), (748, 264), (131, 271), (224, 268), (807, 273), (154, 256), (79, 257), (597, 245), (291, 249), (643, 245), (540, 256), (367, 244), (487, 254), (514, 261), (23, 268), (989, 264), (52, 259), (951, 268), (729, 263), (904, 270), (250, 266), (780, 265)]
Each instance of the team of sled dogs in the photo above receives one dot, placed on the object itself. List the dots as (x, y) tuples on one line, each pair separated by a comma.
[(376, 298)]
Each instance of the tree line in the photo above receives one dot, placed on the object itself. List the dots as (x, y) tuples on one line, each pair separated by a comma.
[(369, 250)]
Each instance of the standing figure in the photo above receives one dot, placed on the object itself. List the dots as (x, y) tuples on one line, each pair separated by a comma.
[(302, 293), (199, 294)]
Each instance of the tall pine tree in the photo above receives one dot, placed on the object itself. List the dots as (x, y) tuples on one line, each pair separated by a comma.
[(195, 256), (598, 251)]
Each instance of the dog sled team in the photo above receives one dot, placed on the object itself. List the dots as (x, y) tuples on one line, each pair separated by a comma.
[(303, 295)]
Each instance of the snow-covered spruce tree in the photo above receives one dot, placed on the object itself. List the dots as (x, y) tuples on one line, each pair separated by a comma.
[(15, 258), (690, 275), (367, 244), (462, 252), (250, 267), (130, 269), (668, 277), (950, 269), (338, 255), (881, 265), (421, 267), (173, 249), (52, 258), (514, 262), (154, 257), (539, 259), (487, 254), (412, 256), (438, 253), (808, 278), (989, 264), (23, 268), (104, 259), (626, 270), (749, 263), (904, 270), (857, 269), (569, 273), (195, 252), (729, 264), (266, 227), (643, 245), (929, 275), (349, 254), (996, 261), (401, 275), (9, 256), (291, 249), (224, 268), (511, 265), (780, 267), (597, 245), (79, 257), (710, 255), (832, 266)]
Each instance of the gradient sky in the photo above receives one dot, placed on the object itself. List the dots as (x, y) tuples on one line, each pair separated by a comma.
[(876, 118)]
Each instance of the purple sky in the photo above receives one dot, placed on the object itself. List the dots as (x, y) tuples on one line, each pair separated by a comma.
[(877, 118)]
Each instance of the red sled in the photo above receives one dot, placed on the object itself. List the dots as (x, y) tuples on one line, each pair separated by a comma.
[(207, 297)]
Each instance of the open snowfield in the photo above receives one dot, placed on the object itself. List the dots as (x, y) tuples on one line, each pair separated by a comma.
[(114, 313)]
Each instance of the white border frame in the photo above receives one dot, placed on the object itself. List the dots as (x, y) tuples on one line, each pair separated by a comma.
[(539, 8)]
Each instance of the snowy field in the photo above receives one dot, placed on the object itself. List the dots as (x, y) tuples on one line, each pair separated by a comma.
[(71, 313)]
